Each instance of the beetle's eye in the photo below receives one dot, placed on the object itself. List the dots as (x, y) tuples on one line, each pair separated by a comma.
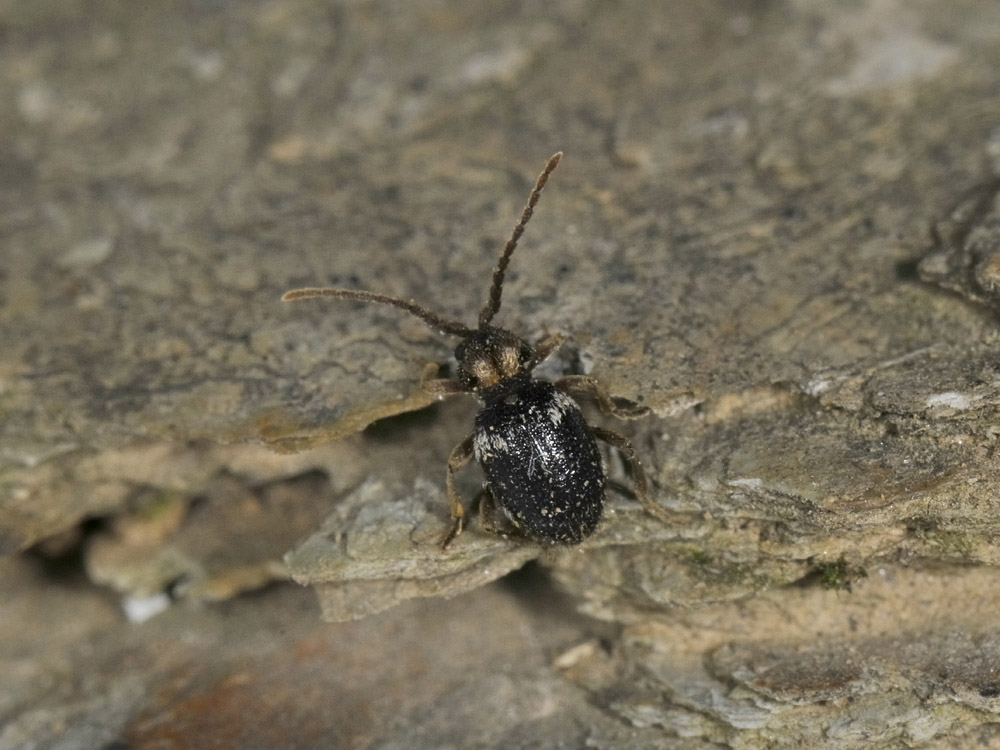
[(525, 353)]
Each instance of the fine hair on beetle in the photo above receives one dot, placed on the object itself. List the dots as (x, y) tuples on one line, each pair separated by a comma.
[(545, 479)]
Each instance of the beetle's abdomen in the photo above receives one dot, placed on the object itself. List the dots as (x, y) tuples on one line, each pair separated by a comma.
[(541, 462)]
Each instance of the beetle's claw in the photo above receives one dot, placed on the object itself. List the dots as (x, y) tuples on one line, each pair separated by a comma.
[(457, 524)]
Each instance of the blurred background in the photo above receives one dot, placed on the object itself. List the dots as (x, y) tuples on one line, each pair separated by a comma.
[(775, 227)]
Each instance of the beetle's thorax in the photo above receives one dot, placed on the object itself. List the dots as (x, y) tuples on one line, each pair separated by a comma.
[(490, 356)]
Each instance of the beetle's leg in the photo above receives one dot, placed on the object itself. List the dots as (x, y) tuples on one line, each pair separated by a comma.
[(459, 457), (439, 387), (638, 473), (587, 386), (544, 349), (494, 520)]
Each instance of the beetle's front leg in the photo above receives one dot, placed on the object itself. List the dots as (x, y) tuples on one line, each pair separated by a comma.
[(623, 444), (439, 387), (584, 385), (544, 349), (459, 457)]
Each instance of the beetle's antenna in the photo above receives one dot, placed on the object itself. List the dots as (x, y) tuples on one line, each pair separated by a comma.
[(493, 303), (444, 325)]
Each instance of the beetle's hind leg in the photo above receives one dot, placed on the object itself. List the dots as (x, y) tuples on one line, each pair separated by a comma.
[(583, 385), (459, 457), (622, 444), (494, 520)]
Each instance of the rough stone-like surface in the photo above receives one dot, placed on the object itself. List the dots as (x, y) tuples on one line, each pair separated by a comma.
[(265, 672), (371, 553), (775, 228)]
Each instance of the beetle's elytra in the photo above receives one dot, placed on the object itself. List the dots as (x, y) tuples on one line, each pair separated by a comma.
[(544, 474), (541, 461)]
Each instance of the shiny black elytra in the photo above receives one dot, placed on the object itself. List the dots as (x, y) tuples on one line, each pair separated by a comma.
[(544, 474)]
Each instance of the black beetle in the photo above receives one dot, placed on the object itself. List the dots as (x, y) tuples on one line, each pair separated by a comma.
[(544, 474)]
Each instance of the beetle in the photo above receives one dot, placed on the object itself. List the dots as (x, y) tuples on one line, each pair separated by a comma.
[(545, 478)]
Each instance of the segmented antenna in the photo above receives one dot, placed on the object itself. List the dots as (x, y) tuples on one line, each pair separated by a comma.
[(435, 321), (496, 288), (444, 325)]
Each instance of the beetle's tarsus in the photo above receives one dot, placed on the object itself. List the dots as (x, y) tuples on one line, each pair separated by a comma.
[(457, 524)]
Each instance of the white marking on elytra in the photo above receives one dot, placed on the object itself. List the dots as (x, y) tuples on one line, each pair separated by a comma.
[(488, 443), (560, 407)]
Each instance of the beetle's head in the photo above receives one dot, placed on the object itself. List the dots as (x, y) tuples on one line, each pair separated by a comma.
[(490, 355), (487, 355)]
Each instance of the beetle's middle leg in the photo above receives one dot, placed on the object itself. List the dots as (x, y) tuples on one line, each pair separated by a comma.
[(623, 444), (459, 457), (584, 385)]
